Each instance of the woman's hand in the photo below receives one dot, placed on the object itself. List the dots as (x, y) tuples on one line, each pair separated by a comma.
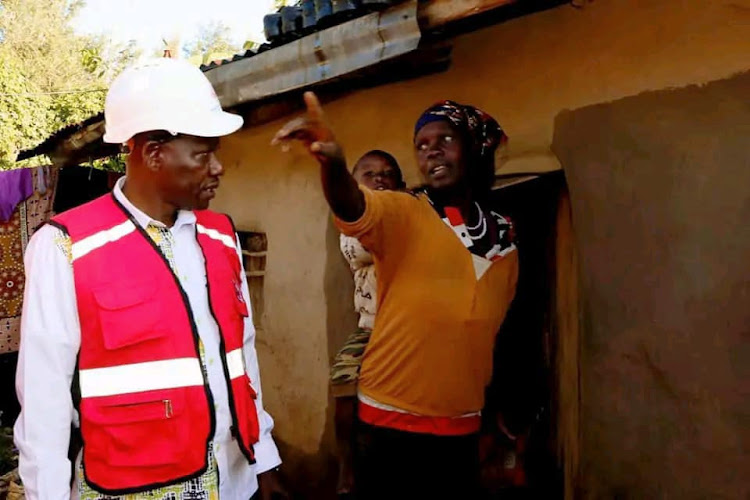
[(340, 188), (313, 131)]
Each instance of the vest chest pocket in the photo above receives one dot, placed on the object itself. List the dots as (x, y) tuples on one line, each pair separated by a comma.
[(128, 314)]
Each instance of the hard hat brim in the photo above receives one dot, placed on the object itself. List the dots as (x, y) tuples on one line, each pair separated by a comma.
[(215, 124)]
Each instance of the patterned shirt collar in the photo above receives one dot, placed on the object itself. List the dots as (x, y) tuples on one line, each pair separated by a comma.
[(491, 239), (184, 217)]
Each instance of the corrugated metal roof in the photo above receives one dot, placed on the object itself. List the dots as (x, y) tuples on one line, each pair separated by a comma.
[(319, 56), (64, 133), (309, 16)]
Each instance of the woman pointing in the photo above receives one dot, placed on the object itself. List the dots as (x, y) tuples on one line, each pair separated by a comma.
[(447, 268)]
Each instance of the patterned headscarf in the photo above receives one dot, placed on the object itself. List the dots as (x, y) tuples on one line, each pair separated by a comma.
[(480, 128)]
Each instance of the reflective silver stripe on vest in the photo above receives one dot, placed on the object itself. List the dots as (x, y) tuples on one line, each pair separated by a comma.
[(235, 364), (216, 235), (141, 377), (98, 240)]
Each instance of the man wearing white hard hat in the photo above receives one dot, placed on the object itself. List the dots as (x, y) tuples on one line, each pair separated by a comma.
[(137, 325)]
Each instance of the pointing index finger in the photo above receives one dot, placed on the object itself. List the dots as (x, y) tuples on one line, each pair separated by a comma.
[(314, 109)]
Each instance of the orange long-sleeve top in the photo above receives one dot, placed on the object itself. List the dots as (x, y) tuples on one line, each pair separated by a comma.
[(431, 349)]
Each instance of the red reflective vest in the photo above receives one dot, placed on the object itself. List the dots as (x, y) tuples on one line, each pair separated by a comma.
[(146, 409)]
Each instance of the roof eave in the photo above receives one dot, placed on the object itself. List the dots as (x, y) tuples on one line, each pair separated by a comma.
[(325, 56)]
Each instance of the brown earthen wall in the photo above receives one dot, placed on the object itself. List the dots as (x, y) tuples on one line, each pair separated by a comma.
[(659, 184)]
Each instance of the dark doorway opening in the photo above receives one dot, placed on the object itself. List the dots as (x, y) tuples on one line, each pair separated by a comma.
[(522, 398)]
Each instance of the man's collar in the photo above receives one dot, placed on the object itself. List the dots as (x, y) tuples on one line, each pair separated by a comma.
[(142, 218)]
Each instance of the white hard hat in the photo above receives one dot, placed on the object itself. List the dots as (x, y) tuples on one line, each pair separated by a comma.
[(164, 94)]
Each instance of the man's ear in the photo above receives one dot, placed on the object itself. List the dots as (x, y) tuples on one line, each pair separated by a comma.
[(152, 154)]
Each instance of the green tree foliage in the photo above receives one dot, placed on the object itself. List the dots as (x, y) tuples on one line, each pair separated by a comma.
[(51, 77), (24, 117), (212, 42)]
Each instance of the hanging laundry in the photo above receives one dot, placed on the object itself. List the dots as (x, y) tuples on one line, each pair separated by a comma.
[(15, 186), (41, 180), (28, 216)]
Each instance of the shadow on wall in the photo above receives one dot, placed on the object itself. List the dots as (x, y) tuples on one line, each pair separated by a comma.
[(313, 475), (341, 320), (659, 186), (308, 476)]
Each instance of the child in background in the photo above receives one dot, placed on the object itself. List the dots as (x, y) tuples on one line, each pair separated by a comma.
[(376, 170)]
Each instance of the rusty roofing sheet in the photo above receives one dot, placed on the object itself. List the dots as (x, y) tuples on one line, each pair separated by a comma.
[(320, 56)]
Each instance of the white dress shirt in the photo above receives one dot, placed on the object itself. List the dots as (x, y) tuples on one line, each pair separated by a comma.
[(50, 341)]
